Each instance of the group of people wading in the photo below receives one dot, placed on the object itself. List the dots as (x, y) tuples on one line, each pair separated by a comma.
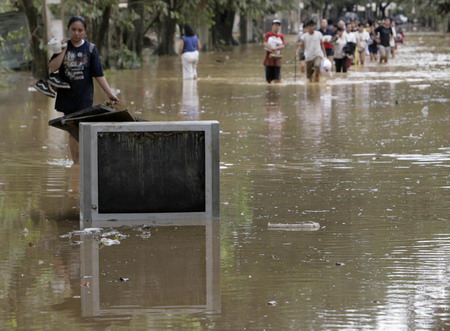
[(344, 44)]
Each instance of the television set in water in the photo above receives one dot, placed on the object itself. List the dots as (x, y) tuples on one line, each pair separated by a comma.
[(138, 171)]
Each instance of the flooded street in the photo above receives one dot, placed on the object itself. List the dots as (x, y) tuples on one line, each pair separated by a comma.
[(359, 154)]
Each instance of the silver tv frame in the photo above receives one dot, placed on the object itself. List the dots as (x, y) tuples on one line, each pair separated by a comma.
[(90, 272), (89, 202)]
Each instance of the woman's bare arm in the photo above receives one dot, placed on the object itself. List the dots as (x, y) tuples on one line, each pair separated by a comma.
[(105, 86)]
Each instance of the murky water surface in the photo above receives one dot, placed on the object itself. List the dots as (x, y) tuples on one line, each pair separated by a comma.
[(357, 154)]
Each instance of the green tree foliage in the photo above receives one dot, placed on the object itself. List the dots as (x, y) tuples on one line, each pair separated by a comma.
[(224, 12), (118, 27)]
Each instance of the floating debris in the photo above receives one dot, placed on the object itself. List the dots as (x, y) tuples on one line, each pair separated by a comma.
[(145, 235), (109, 242), (87, 231), (272, 303), (340, 264), (124, 279), (304, 226), (67, 235), (87, 284), (110, 233), (425, 111)]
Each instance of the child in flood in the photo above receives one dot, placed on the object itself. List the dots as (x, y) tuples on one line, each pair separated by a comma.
[(77, 64)]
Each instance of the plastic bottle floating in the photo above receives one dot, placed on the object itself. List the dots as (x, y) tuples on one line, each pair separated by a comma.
[(303, 226)]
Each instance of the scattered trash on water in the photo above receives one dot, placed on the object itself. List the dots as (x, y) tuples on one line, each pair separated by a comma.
[(109, 242), (303, 226), (116, 234), (115, 91), (25, 232), (110, 233), (272, 303), (145, 235), (76, 243), (87, 231), (86, 284), (340, 264), (30, 244), (425, 111), (124, 279), (66, 235)]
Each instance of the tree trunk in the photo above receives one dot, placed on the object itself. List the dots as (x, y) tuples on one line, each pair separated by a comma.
[(383, 9), (102, 38), (166, 34), (222, 30), (325, 13), (243, 37), (135, 40), (36, 28)]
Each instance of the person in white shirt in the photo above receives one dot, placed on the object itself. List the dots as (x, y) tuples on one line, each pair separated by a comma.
[(348, 34), (314, 51), (351, 38), (362, 37), (340, 58)]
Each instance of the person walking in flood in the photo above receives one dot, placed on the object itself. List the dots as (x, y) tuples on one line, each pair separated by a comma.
[(189, 52), (78, 64), (373, 45), (327, 35), (340, 58), (299, 51), (274, 42), (362, 36), (384, 34), (314, 51)]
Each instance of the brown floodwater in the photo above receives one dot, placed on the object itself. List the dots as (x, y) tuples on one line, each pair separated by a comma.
[(357, 154)]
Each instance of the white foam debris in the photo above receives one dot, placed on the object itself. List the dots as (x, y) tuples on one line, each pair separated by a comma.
[(303, 226), (87, 231), (109, 242)]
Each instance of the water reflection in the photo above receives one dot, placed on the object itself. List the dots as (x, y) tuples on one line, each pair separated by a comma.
[(156, 269), (190, 101), (275, 120)]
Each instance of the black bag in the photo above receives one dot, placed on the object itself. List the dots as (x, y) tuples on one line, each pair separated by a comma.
[(349, 48)]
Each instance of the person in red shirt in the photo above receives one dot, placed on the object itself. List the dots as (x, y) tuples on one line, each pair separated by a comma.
[(273, 44), (325, 31)]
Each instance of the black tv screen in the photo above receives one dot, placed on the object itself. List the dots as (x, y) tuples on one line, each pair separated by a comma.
[(137, 174)]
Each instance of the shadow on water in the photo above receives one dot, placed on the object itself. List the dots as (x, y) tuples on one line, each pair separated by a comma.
[(366, 155)]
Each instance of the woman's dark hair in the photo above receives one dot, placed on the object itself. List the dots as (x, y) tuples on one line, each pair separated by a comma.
[(340, 29), (188, 30), (77, 19)]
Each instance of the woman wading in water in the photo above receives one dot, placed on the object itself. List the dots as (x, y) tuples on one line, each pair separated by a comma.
[(77, 64)]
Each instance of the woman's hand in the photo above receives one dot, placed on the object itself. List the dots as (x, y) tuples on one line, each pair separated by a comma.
[(113, 97)]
